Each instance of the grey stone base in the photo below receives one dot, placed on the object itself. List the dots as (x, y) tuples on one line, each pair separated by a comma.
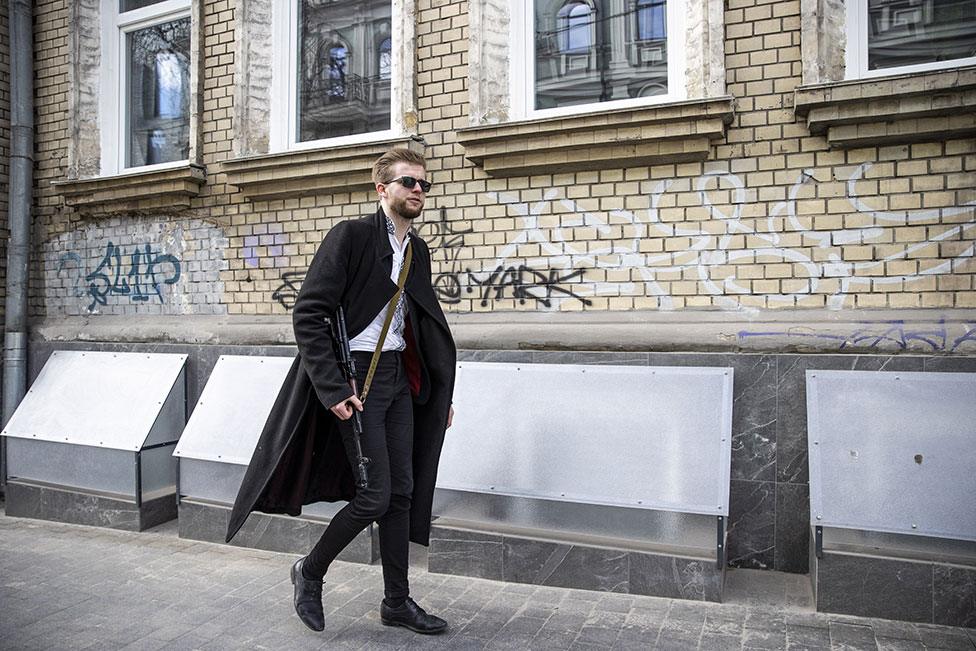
[(895, 588), (276, 533), (522, 559), (62, 504)]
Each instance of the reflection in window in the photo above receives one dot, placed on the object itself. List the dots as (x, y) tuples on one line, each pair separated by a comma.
[(343, 85), (338, 62), (588, 52), (575, 21), (909, 32), (129, 5), (386, 60), (651, 20), (158, 68)]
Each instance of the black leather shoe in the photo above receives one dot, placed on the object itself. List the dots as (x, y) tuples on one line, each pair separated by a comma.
[(410, 615), (308, 598)]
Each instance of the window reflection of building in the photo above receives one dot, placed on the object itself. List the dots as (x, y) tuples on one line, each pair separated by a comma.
[(599, 51), (386, 58), (158, 125), (909, 32), (344, 68)]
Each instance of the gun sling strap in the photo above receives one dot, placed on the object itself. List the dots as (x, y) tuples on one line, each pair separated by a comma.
[(390, 309)]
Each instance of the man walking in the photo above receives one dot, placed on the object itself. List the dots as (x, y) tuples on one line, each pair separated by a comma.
[(306, 452)]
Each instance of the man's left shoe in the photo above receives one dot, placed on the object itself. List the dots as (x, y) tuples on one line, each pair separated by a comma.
[(410, 615)]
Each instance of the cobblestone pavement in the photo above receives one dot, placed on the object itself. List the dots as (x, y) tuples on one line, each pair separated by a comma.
[(74, 587)]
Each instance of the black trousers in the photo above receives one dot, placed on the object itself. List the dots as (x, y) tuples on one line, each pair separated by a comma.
[(387, 441)]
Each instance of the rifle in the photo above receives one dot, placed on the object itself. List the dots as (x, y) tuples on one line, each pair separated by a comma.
[(348, 367)]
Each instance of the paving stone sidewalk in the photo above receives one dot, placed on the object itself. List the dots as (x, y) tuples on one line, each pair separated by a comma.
[(74, 587)]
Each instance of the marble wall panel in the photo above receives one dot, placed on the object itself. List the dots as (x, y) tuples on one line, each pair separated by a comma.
[(874, 587), (752, 523), (674, 577), (466, 553), (274, 533), (791, 542), (43, 503), (954, 597), (592, 568)]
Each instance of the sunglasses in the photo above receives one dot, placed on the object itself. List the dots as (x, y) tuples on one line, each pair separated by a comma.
[(408, 182)]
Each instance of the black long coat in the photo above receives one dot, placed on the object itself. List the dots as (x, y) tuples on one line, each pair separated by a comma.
[(300, 458)]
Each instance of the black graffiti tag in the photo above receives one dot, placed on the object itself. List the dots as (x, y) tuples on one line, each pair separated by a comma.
[(526, 284), (287, 292)]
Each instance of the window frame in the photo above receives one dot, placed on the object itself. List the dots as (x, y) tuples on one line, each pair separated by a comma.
[(522, 78), (113, 109), (856, 52), (283, 135)]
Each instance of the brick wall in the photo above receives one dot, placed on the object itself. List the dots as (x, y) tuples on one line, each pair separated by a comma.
[(773, 219)]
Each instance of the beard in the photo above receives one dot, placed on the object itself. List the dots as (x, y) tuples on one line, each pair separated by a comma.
[(405, 208)]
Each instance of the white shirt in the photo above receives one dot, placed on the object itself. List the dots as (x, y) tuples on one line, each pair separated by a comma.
[(366, 340)]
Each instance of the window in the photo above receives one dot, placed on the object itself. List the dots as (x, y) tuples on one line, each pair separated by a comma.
[(335, 77), (599, 52), (900, 36), (145, 104)]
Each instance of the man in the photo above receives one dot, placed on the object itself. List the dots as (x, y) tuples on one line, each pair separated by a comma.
[(306, 452)]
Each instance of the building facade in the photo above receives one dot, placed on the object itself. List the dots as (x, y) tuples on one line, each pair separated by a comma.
[(769, 184)]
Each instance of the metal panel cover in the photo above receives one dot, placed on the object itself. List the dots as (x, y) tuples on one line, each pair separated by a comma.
[(233, 407), (637, 436), (893, 452), (108, 400)]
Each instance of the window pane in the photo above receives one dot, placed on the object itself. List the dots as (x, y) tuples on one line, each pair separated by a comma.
[(129, 5), (343, 68), (158, 103), (908, 32), (590, 51)]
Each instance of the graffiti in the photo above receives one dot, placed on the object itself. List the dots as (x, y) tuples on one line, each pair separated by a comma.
[(545, 261), (287, 292), (139, 274), (714, 243), (883, 335), (446, 242), (524, 281)]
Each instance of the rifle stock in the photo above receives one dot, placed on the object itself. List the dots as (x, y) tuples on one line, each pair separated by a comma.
[(348, 367)]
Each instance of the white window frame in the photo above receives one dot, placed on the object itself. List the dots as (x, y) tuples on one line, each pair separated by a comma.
[(284, 84), (522, 77), (113, 113), (856, 57)]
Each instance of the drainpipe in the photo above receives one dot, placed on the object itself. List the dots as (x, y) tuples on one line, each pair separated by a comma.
[(21, 184)]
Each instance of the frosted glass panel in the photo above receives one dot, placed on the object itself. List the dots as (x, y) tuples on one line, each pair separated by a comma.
[(637, 436), (893, 452)]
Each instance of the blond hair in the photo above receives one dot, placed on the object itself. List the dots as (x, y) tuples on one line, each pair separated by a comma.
[(383, 164)]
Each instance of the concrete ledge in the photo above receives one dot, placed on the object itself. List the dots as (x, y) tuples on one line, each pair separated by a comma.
[(277, 533), (157, 191), (538, 561), (667, 133), (60, 504), (310, 171), (914, 331), (915, 107)]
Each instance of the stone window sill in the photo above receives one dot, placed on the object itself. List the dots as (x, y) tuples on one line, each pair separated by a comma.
[(310, 171), (649, 135), (156, 191), (916, 107)]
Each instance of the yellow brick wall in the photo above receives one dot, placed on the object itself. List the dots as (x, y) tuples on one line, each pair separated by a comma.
[(773, 219)]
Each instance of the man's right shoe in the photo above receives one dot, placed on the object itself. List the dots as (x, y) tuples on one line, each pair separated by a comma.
[(411, 616), (308, 598)]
